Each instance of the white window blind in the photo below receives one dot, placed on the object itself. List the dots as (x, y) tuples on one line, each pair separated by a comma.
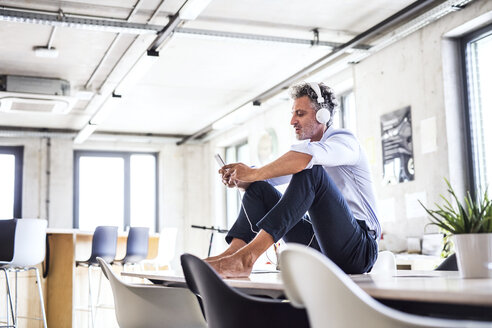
[(478, 54)]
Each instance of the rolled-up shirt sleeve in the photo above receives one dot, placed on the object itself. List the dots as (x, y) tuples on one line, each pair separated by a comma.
[(336, 150)]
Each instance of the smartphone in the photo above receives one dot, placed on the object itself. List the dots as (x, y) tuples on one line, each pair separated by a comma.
[(219, 160)]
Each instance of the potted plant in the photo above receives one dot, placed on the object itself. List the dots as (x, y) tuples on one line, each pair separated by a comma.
[(470, 223)]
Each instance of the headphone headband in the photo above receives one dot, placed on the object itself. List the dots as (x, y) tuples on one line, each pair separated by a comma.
[(317, 90), (323, 115)]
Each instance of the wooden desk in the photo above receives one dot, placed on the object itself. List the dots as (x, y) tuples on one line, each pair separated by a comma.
[(65, 247), (439, 293), (427, 286), (268, 284)]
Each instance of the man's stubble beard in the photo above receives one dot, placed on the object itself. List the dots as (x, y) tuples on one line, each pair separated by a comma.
[(306, 132)]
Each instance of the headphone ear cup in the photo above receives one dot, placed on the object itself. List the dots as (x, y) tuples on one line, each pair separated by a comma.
[(323, 115)]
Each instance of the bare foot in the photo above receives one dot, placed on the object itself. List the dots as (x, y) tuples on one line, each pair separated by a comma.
[(233, 266), (235, 245), (228, 252), (214, 258)]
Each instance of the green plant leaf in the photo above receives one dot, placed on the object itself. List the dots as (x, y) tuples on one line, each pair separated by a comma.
[(469, 216)]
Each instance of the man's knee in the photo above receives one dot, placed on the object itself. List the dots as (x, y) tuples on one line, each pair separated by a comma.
[(263, 191), (258, 186)]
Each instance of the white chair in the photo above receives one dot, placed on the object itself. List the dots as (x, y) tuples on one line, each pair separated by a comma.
[(29, 250), (165, 250), (153, 306), (332, 299), (385, 264)]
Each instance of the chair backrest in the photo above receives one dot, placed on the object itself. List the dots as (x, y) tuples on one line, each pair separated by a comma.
[(167, 245), (137, 245), (313, 281), (104, 243), (30, 242), (385, 263), (226, 307), (152, 306), (7, 237)]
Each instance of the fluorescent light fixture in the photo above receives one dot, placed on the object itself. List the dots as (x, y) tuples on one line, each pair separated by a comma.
[(109, 105), (135, 74), (192, 8), (237, 117), (84, 133)]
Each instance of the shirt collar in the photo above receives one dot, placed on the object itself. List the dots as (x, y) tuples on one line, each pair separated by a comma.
[(329, 131)]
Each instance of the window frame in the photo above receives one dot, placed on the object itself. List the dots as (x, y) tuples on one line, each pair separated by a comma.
[(464, 41), (18, 152), (342, 109), (126, 155)]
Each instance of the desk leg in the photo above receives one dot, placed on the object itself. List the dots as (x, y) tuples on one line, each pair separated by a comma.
[(60, 280)]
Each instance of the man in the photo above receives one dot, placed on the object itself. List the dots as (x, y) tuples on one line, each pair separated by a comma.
[(329, 179)]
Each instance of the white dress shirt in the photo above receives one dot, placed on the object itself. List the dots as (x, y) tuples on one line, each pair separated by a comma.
[(342, 157)]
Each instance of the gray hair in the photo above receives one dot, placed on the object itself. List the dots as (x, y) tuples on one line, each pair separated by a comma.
[(304, 89)]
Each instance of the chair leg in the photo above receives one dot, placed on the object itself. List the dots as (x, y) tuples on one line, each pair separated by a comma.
[(91, 302), (98, 295), (9, 301), (16, 308), (41, 299)]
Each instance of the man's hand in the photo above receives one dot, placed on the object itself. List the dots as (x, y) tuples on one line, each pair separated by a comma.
[(239, 172), (230, 182)]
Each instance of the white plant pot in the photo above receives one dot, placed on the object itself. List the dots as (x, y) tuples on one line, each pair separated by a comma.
[(474, 254)]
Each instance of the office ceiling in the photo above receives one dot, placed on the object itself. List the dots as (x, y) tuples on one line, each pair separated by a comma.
[(206, 69)]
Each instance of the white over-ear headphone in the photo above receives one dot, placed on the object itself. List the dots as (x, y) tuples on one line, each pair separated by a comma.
[(323, 115)]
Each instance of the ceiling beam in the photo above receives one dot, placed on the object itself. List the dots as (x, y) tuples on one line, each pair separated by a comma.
[(391, 21), (31, 132), (397, 18), (259, 37), (165, 33)]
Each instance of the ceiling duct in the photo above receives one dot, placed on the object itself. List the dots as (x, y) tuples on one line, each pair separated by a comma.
[(26, 94)]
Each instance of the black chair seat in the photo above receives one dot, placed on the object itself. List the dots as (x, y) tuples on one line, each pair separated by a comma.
[(226, 307)]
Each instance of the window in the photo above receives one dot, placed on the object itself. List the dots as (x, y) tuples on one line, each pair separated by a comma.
[(115, 188), (345, 116), (477, 51), (233, 154), (11, 161)]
